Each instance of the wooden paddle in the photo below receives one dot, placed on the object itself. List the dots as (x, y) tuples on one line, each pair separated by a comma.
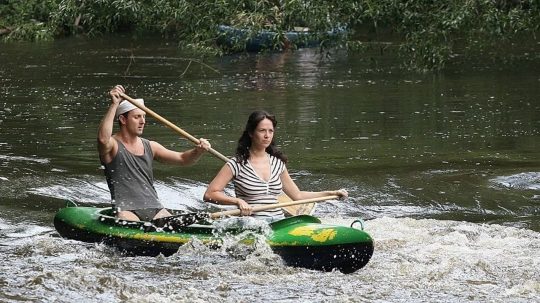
[(282, 199), (177, 129), (182, 220), (236, 212)]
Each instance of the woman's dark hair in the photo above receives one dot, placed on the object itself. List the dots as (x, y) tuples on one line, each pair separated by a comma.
[(244, 143)]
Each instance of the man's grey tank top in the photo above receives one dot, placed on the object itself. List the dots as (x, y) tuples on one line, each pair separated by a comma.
[(131, 180)]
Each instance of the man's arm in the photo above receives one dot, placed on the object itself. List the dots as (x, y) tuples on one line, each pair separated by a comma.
[(186, 158), (107, 146)]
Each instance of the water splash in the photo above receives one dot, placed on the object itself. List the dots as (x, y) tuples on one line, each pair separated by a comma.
[(527, 180), (429, 260)]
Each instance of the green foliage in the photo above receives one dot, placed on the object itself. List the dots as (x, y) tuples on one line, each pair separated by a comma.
[(26, 20), (435, 30), (97, 16), (429, 33)]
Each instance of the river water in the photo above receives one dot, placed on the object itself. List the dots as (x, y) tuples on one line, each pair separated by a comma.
[(444, 169)]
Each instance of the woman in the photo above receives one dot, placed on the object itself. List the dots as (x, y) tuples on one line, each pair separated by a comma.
[(259, 173)]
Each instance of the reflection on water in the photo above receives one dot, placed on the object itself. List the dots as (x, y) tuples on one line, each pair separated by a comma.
[(428, 160)]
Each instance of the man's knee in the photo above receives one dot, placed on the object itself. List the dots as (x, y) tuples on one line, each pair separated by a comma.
[(127, 215), (162, 213)]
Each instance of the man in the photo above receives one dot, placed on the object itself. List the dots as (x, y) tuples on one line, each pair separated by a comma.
[(128, 158)]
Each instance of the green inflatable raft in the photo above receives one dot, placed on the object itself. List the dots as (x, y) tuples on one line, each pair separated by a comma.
[(301, 241)]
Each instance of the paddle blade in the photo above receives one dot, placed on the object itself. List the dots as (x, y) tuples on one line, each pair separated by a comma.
[(296, 210)]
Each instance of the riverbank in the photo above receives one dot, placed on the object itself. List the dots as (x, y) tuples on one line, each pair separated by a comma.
[(431, 34)]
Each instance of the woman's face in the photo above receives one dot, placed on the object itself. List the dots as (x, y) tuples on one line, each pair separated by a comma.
[(263, 134)]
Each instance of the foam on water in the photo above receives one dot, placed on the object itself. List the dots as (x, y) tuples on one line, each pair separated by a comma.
[(8, 158), (24, 231), (420, 260), (180, 195), (526, 180), (74, 189), (453, 261)]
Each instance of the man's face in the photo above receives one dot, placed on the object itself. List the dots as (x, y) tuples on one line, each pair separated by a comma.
[(134, 121)]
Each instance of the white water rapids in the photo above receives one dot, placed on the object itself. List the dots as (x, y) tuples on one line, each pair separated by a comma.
[(414, 261)]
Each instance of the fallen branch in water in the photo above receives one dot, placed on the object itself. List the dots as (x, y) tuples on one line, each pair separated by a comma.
[(5, 30)]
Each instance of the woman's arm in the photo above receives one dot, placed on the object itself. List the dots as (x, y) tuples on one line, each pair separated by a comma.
[(215, 191), (292, 190)]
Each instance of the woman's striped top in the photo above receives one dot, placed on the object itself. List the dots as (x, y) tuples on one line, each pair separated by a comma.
[(251, 188)]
